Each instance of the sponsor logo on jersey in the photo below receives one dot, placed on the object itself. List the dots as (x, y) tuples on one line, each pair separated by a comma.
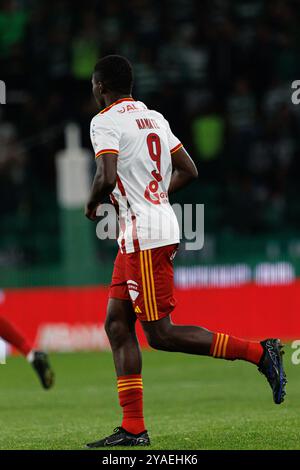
[(129, 108), (155, 197)]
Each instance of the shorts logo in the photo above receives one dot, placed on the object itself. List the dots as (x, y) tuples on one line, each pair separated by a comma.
[(137, 309), (133, 289)]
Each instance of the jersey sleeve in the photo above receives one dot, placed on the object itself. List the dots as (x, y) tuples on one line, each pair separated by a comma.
[(105, 136), (174, 142)]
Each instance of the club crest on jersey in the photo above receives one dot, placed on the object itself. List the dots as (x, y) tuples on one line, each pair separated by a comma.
[(133, 289)]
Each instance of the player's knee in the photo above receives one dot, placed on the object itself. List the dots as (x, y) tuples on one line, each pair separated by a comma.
[(115, 331)]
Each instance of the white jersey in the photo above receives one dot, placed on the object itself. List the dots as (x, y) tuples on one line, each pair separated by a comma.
[(143, 142)]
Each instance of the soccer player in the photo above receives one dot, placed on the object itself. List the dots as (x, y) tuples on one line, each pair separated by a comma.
[(139, 163), (38, 359)]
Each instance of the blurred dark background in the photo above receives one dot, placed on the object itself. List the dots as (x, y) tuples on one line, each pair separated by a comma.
[(220, 71)]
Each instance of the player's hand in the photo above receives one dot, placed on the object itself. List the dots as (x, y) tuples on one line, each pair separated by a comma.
[(90, 213)]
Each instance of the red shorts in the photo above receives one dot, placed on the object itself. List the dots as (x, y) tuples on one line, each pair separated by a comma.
[(146, 278)]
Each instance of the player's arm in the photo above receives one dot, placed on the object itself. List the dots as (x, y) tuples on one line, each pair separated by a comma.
[(103, 184), (184, 170)]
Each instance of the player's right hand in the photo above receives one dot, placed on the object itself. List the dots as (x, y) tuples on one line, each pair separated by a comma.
[(91, 214)]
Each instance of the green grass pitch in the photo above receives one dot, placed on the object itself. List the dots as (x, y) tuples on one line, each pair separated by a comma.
[(190, 403)]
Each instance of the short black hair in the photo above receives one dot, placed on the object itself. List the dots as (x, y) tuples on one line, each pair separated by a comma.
[(115, 72)]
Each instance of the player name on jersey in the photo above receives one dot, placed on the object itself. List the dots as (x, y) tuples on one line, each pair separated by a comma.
[(147, 123)]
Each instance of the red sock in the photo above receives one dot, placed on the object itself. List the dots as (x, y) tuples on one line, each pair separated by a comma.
[(229, 347), (10, 334), (130, 389)]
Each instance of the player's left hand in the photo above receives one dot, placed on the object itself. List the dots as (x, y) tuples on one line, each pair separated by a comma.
[(90, 213)]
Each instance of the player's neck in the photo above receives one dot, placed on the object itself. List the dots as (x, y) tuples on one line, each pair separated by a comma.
[(113, 97)]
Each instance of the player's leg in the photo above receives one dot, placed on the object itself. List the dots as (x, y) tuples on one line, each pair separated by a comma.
[(267, 354), (158, 300), (38, 359), (120, 329), (166, 336), (13, 336), (162, 334)]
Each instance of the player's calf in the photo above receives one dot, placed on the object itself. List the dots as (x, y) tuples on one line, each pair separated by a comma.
[(224, 346)]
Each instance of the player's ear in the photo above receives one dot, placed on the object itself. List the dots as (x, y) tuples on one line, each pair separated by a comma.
[(101, 88)]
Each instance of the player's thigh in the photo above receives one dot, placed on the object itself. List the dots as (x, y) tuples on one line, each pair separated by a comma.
[(157, 332), (118, 287)]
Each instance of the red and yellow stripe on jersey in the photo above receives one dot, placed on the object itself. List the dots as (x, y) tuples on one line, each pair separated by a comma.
[(148, 285), (221, 345), (176, 148), (101, 152), (129, 382)]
